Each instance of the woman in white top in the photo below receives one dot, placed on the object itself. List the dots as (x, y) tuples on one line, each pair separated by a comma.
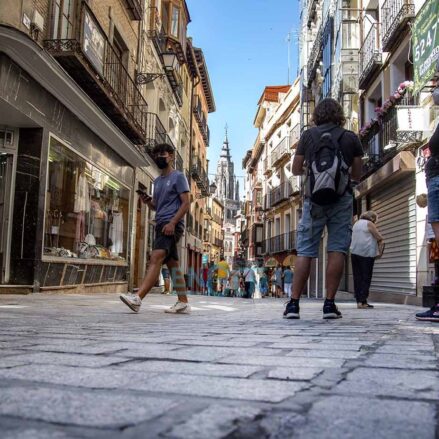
[(366, 240)]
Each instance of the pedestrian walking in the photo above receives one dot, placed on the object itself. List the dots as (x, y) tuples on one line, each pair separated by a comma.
[(205, 276), (249, 276), (171, 202), (263, 282), (234, 279), (432, 177), (278, 279), (288, 281), (210, 280), (166, 280), (223, 271), (367, 244), (328, 151)]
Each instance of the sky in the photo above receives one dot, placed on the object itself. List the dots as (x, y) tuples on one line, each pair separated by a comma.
[(245, 46)]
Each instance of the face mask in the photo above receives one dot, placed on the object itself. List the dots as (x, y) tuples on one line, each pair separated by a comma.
[(161, 162), (435, 96)]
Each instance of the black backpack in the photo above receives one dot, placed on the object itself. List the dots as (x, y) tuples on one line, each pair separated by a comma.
[(328, 173)]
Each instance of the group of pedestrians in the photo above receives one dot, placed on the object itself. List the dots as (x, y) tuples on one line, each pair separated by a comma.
[(331, 158)]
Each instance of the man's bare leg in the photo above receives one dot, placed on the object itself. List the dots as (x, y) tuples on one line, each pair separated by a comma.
[(301, 274), (153, 273), (177, 280), (334, 272)]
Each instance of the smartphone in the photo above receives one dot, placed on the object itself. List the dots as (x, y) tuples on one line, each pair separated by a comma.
[(143, 193)]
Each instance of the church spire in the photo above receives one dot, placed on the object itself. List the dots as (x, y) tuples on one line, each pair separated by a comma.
[(225, 151)]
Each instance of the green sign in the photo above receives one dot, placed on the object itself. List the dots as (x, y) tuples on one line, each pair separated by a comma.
[(426, 43)]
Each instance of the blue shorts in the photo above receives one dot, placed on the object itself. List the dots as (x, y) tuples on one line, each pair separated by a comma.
[(433, 199), (337, 218)]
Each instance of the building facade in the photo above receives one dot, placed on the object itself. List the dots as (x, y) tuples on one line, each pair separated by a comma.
[(87, 90)]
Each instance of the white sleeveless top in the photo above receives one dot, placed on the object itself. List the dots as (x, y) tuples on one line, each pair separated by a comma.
[(363, 242)]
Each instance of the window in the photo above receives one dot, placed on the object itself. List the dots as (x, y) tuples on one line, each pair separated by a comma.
[(62, 19), (175, 19), (86, 209)]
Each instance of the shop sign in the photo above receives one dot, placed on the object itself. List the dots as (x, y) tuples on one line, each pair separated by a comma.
[(205, 259), (411, 119), (93, 43), (425, 43)]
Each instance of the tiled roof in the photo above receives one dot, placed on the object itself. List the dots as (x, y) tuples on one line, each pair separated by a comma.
[(271, 93)]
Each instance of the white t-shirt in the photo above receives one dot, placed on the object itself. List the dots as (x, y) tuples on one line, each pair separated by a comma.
[(363, 242), (249, 275)]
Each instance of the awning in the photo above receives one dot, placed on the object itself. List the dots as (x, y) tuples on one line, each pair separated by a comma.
[(289, 261), (271, 262)]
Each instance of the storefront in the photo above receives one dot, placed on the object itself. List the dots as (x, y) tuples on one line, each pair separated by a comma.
[(68, 180)]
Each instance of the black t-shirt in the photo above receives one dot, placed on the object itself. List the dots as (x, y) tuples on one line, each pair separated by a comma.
[(432, 166), (349, 143)]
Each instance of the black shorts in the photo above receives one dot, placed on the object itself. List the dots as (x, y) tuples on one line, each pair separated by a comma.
[(168, 242)]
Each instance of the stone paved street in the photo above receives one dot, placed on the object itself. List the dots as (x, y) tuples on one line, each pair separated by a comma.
[(76, 366)]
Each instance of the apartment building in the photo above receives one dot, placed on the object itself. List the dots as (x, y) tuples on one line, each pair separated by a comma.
[(87, 90), (214, 235), (272, 192)]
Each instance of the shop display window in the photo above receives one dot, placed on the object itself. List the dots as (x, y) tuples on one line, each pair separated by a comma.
[(86, 209)]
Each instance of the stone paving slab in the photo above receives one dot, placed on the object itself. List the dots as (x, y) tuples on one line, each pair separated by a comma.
[(338, 417), (237, 370), (85, 408)]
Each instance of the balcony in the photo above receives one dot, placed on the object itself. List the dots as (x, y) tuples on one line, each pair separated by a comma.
[(281, 152), (134, 9), (99, 71), (395, 15), (294, 136), (315, 56), (281, 193), (371, 56), (201, 120), (267, 169), (312, 11), (200, 177), (285, 242), (218, 242)]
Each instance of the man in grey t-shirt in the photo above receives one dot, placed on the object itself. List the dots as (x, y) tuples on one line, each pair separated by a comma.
[(171, 203)]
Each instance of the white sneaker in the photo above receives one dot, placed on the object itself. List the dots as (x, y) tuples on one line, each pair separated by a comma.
[(133, 301), (179, 308)]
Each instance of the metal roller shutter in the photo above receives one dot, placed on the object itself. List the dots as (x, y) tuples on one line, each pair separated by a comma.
[(395, 205)]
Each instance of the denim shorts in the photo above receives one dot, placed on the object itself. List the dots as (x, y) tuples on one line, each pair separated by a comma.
[(433, 199), (168, 242), (337, 218)]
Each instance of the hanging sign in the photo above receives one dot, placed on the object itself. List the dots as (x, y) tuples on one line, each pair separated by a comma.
[(426, 43)]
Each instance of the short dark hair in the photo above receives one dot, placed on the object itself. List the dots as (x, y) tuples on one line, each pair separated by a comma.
[(329, 110), (163, 147)]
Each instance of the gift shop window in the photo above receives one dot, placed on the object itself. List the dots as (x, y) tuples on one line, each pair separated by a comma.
[(86, 209)]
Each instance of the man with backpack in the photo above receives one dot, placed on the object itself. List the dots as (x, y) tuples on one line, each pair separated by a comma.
[(331, 155)]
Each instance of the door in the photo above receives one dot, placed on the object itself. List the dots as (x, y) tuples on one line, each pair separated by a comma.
[(6, 187)]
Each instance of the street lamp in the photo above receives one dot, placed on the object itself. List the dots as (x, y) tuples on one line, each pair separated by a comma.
[(170, 63), (213, 187)]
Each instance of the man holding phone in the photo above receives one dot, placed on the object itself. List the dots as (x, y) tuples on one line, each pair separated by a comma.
[(171, 202)]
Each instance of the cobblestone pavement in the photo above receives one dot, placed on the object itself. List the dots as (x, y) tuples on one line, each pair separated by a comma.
[(85, 366)]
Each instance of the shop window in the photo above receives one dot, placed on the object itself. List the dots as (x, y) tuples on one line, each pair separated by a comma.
[(86, 209)]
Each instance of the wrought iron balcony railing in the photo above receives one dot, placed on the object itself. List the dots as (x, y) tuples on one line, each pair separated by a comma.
[(218, 242), (200, 176), (201, 120), (267, 169), (99, 71), (371, 55), (284, 242), (395, 14), (280, 193), (315, 56), (281, 151)]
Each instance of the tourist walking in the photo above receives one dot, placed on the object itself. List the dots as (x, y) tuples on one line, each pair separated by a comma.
[(278, 279), (367, 244), (328, 151), (234, 280), (166, 280), (171, 202), (223, 271), (249, 276), (288, 281), (263, 282)]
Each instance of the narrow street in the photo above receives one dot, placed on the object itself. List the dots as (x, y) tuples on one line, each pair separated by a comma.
[(84, 366)]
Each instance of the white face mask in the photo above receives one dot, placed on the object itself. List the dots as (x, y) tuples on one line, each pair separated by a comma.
[(435, 96)]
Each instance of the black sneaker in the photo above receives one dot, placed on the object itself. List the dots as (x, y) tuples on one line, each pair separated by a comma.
[(292, 310), (432, 315), (330, 311)]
